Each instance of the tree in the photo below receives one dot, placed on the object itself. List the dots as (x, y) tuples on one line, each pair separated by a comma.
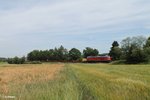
[(61, 54), (115, 51), (126, 44), (74, 54), (34, 55), (44, 55), (16, 60), (147, 47), (115, 44), (136, 55), (90, 52), (139, 41), (147, 43), (51, 55)]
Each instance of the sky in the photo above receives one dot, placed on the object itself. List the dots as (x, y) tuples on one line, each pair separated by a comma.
[(26, 25)]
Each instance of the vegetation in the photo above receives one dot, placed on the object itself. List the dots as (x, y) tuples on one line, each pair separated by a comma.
[(74, 54), (16, 60), (75, 82), (90, 52), (147, 47), (61, 54), (33, 62), (115, 51), (56, 54), (136, 55), (134, 51), (3, 59)]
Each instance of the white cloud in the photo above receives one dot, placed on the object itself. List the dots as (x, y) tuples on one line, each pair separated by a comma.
[(70, 17)]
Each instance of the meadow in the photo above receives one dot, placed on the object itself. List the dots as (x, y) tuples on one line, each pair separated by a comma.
[(59, 81)]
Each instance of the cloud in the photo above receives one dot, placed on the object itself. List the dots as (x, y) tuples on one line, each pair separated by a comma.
[(74, 16), (37, 20)]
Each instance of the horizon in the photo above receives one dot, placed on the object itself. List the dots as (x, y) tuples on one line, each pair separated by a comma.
[(28, 25)]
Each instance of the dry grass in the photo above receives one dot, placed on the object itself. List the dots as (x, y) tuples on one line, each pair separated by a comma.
[(75, 82), (26, 74)]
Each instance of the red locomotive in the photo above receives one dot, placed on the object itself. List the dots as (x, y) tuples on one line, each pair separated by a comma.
[(99, 59)]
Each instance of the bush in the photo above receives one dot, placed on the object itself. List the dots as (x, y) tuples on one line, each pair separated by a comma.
[(74, 55), (34, 62), (137, 56), (16, 60)]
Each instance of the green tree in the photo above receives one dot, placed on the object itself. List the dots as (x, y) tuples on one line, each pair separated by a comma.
[(115, 51), (126, 44), (147, 43), (90, 52), (16, 60), (136, 55), (74, 54), (51, 56), (61, 54), (147, 47), (34, 55), (115, 44)]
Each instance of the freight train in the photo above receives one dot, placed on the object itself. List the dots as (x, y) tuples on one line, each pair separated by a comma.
[(99, 59)]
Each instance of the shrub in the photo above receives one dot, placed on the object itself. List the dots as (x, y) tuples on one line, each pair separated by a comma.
[(16, 60), (34, 62)]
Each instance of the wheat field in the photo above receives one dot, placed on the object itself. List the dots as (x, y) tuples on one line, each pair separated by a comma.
[(59, 81)]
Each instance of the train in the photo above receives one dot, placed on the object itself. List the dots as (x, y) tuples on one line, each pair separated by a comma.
[(99, 59)]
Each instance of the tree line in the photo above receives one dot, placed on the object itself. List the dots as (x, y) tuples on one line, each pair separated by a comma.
[(61, 54), (131, 50)]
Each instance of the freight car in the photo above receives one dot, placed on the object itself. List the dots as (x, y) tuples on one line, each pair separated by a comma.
[(99, 59)]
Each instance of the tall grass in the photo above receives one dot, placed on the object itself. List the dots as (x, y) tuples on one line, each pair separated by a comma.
[(112, 82), (64, 85), (75, 82)]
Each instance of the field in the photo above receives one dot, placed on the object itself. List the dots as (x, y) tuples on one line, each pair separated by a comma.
[(74, 82)]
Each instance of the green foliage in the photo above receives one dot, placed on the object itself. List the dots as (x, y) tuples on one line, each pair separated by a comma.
[(115, 44), (33, 62), (34, 55), (147, 48), (147, 51), (61, 54), (57, 54), (137, 41), (74, 54), (147, 43), (136, 55), (16, 60), (115, 51), (90, 52), (3, 59), (134, 49)]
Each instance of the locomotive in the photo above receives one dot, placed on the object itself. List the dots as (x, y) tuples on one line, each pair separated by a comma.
[(99, 59)]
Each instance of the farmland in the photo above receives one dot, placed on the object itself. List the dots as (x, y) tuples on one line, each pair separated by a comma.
[(75, 82)]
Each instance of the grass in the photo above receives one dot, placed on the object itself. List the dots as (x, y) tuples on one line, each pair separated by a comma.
[(75, 82), (115, 82), (3, 63)]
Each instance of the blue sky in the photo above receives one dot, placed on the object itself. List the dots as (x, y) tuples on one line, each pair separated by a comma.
[(26, 25)]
